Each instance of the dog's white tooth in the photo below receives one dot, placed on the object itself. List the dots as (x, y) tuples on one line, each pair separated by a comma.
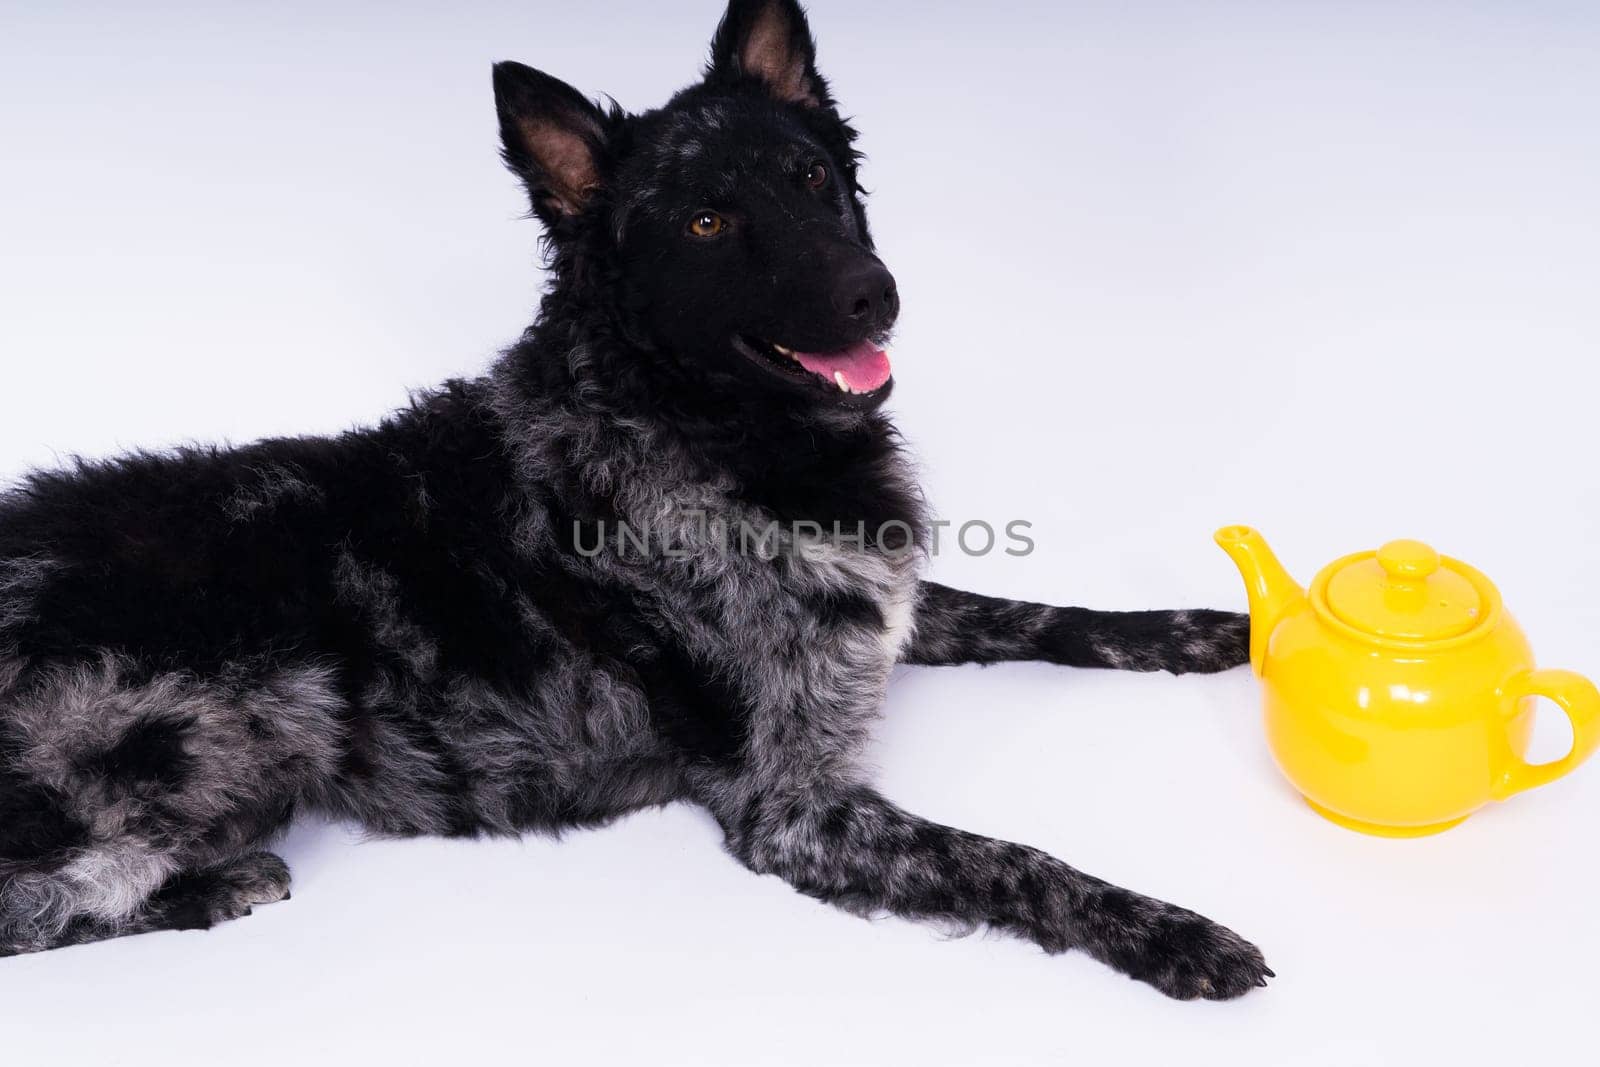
[(784, 351), (838, 379)]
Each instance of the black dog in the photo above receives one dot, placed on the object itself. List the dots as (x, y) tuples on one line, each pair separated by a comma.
[(666, 550)]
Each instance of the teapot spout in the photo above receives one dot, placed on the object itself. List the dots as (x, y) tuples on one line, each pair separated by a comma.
[(1272, 592)]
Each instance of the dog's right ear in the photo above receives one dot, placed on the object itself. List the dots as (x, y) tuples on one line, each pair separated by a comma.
[(552, 138)]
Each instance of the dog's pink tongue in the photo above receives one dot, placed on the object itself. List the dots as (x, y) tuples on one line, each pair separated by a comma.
[(864, 366)]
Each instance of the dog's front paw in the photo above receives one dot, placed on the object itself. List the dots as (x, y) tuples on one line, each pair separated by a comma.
[(1187, 956), (1205, 641), (1197, 641)]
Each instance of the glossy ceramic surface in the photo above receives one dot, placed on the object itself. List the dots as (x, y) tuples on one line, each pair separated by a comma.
[(1398, 692)]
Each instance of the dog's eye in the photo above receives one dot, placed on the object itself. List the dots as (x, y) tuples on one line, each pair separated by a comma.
[(707, 224), (816, 176)]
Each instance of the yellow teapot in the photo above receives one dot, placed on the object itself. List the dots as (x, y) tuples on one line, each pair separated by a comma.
[(1399, 694)]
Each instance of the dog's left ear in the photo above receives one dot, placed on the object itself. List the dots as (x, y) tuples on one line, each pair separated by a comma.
[(768, 42)]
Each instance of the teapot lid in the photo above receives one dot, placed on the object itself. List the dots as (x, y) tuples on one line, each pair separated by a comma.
[(1406, 591)]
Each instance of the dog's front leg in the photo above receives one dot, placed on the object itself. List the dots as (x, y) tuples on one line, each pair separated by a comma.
[(956, 627), (846, 844)]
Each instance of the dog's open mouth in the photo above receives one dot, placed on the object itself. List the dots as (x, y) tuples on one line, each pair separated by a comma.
[(859, 370)]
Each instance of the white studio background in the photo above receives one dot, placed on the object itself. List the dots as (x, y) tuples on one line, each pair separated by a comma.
[(1330, 268)]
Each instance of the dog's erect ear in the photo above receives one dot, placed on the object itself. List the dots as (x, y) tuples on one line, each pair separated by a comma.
[(552, 138), (768, 41)]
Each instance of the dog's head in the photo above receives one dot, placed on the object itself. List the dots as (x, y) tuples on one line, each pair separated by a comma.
[(726, 227)]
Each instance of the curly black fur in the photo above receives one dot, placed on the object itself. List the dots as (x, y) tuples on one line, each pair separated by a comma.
[(405, 625)]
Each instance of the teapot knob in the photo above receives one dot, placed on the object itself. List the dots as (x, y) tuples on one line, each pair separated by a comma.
[(1408, 561)]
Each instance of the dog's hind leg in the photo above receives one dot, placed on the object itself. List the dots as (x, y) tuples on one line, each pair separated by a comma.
[(87, 893), (199, 900), (957, 627), (131, 803), (43, 911)]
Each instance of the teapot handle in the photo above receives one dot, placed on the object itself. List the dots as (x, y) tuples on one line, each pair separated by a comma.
[(1576, 696)]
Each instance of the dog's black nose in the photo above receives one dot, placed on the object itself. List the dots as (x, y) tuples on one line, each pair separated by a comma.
[(866, 294)]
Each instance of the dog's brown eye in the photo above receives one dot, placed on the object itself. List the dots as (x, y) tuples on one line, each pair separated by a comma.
[(707, 224), (816, 175)]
